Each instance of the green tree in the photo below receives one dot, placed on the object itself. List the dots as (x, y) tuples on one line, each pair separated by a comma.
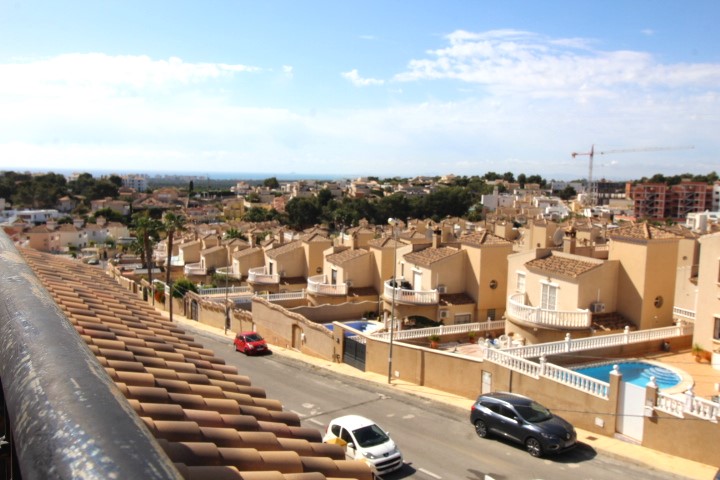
[(271, 182), (302, 212), (171, 223), (182, 286), (147, 230)]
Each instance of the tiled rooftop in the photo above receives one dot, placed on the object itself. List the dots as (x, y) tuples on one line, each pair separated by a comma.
[(428, 256), (561, 265), (641, 231), (482, 237), (281, 249), (209, 419), (346, 255)]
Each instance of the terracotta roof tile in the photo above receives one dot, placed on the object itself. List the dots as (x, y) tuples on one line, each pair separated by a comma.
[(428, 256), (482, 237), (209, 419), (281, 249), (345, 256), (561, 265), (641, 231)]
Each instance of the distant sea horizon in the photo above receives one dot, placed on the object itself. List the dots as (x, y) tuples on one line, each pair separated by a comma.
[(95, 172)]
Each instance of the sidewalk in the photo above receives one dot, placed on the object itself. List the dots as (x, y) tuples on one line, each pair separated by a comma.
[(629, 452)]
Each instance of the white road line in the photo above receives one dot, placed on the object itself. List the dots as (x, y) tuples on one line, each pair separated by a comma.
[(316, 422), (429, 473), (297, 413)]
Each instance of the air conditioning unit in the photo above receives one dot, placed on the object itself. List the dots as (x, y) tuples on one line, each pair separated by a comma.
[(442, 289), (597, 307), (444, 314)]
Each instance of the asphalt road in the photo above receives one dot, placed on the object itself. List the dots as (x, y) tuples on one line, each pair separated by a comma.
[(437, 440)]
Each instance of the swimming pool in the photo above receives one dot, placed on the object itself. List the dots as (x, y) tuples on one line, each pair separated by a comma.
[(366, 326), (637, 373)]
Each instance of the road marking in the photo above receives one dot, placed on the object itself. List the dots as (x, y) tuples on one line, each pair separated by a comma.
[(301, 415), (317, 422), (429, 473)]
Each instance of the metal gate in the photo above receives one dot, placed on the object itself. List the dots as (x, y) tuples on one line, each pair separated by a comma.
[(354, 352)]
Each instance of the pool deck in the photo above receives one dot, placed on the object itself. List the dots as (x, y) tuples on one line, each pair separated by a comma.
[(704, 376)]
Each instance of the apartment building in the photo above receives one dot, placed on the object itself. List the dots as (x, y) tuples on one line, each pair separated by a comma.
[(657, 201)]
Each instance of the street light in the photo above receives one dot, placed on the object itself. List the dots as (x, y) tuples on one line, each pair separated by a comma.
[(394, 224)]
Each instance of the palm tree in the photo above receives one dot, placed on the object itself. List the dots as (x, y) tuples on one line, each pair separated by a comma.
[(147, 230), (171, 223)]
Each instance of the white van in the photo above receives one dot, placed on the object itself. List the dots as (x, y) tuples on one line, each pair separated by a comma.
[(364, 440)]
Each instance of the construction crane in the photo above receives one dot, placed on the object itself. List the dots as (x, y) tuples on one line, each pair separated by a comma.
[(591, 186)]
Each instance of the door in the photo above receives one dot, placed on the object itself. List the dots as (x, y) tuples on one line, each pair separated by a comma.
[(631, 411), (354, 352)]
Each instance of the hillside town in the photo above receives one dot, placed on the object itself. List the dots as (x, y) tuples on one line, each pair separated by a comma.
[(534, 279)]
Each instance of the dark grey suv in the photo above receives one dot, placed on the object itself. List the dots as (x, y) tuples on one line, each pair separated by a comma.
[(522, 420)]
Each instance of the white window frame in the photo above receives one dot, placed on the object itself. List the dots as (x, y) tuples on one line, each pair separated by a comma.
[(520, 282), (549, 295)]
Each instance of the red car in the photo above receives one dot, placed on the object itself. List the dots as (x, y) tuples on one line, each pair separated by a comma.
[(250, 343)]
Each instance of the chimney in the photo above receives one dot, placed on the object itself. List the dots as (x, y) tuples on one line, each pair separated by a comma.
[(569, 241), (436, 238)]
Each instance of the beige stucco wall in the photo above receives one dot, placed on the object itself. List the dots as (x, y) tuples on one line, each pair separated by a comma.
[(449, 271), (290, 264), (359, 270), (686, 291), (693, 439), (647, 271), (708, 305), (493, 267), (314, 256)]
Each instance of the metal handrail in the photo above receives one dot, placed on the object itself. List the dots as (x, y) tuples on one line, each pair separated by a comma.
[(67, 418)]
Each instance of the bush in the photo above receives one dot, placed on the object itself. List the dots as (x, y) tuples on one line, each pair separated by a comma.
[(182, 286)]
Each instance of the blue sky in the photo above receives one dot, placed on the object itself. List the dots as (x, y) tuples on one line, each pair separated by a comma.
[(352, 88)]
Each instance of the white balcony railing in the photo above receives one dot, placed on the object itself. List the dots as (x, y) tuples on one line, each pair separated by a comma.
[(517, 309), (261, 275), (195, 269), (320, 286), (227, 271), (684, 314), (409, 296)]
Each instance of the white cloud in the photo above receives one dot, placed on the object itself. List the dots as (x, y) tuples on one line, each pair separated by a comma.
[(354, 77), (648, 31), (517, 61)]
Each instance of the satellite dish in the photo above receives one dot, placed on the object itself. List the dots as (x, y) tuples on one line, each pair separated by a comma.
[(521, 219), (557, 237)]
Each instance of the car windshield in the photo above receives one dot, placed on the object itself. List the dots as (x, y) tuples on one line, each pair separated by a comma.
[(370, 436), (253, 337), (534, 412)]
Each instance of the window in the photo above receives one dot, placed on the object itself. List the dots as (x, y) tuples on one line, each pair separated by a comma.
[(491, 314), (463, 318), (549, 296), (716, 329), (520, 287)]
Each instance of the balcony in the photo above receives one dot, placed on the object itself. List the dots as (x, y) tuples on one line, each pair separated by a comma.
[(684, 314), (562, 319), (409, 296), (261, 275), (227, 271), (319, 285), (195, 269)]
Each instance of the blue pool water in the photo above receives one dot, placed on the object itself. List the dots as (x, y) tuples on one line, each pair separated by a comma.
[(637, 373), (361, 325)]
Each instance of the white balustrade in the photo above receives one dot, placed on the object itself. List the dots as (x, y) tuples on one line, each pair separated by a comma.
[(409, 296), (319, 285), (684, 313), (517, 308), (576, 380), (261, 275)]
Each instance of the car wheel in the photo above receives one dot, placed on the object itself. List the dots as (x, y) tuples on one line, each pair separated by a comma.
[(481, 429), (532, 445)]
